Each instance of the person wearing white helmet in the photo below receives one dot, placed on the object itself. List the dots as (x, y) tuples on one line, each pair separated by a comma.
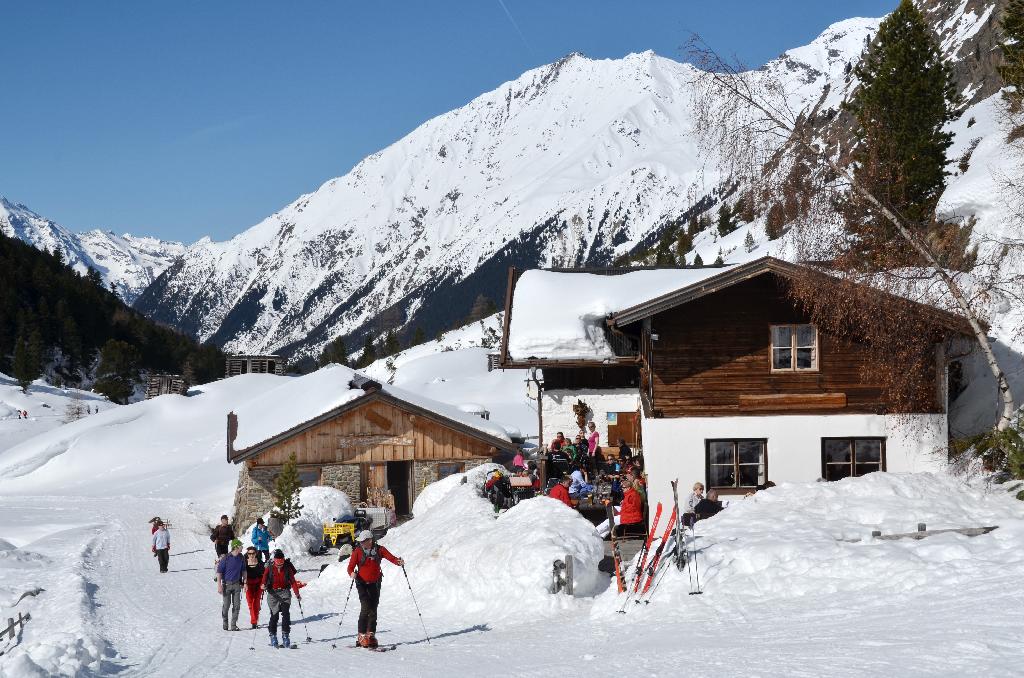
[(364, 567)]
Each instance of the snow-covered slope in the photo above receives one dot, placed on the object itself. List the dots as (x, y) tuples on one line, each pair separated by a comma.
[(128, 262), (574, 162), (47, 406), (171, 446)]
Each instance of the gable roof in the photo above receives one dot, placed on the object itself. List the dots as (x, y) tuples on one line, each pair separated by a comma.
[(304, 402), (753, 269)]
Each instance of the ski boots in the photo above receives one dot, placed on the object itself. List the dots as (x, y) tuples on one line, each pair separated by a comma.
[(371, 641), (273, 641), (363, 640), (286, 641)]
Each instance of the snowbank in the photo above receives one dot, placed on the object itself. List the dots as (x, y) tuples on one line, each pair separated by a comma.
[(319, 505), (465, 564), (792, 541), (433, 493)]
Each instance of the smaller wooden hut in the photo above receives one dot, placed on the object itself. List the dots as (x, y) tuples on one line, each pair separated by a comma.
[(162, 384), (254, 364), (346, 431)]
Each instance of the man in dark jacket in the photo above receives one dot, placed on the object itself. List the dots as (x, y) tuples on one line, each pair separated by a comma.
[(221, 536)]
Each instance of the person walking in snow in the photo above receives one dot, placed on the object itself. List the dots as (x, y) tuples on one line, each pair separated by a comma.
[(221, 536), (561, 491), (230, 580), (364, 567), (161, 544), (279, 584), (254, 570), (260, 539)]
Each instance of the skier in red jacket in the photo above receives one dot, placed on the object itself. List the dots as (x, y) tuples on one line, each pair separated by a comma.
[(561, 491), (364, 567)]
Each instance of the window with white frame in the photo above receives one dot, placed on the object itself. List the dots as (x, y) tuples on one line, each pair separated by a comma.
[(794, 348), (845, 457), (736, 464)]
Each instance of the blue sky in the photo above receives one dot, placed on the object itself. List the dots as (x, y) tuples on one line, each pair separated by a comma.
[(184, 119)]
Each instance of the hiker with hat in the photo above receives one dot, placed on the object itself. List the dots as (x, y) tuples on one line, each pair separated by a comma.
[(230, 580), (364, 568), (279, 584), (261, 540)]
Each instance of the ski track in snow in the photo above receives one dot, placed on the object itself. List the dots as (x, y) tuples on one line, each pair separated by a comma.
[(169, 625)]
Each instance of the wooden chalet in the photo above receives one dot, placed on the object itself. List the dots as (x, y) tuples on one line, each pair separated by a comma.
[(381, 444), (162, 384), (254, 364), (736, 386)]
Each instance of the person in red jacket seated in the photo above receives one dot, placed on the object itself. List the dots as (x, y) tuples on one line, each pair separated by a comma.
[(631, 511), (561, 491), (364, 568)]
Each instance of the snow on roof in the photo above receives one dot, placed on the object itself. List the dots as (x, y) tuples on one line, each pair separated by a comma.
[(560, 315), (301, 399)]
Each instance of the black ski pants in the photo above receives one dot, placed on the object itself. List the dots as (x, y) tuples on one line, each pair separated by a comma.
[(279, 601), (163, 557), (369, 598)]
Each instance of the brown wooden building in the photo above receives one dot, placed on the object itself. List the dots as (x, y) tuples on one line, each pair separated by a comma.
[(254, 364), (737, 386), (382, 441)]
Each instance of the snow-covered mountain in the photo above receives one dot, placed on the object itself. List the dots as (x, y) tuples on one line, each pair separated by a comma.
[(128, 262), (571, 164)]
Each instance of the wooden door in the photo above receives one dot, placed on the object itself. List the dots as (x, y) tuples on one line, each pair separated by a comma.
[(624, 425)]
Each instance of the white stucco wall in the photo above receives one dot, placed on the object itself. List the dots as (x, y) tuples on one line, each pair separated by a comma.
[(558, 414), (674, 448)]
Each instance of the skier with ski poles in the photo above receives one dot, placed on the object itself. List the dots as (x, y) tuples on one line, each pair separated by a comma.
[(364, 568), (279, 583)]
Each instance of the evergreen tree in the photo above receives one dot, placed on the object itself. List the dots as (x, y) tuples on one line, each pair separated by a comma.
[(369, 354), (334, 352), (718, 260), (683, 245), (418, 337), (1012, 47), (391, 344), (286, 492), (697, 261), (693, 226), (748, 242), (905, 97), (482, 307), (726, 225), (26, 368), (118, 370)]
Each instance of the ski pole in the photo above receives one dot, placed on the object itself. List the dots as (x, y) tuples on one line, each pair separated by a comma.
[(696, 569), (689, 564), (347, 597), (252, 643), (304, 622), (409, 584)]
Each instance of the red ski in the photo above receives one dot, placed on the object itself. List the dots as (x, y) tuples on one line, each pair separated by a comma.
[(657, 554), (647, 549)]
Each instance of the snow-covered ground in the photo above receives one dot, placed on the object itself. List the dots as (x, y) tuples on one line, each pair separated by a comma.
[(47, 407)]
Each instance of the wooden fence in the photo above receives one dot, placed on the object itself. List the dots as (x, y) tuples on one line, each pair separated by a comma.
[(12, 628)]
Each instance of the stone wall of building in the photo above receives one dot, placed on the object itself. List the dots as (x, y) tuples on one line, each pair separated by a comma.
[(254, 495), (344, 477)]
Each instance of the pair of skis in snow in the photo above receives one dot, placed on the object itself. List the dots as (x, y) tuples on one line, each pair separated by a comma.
[(675, 531)]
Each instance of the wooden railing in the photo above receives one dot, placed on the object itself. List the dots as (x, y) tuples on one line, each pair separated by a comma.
[(12, 628)]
